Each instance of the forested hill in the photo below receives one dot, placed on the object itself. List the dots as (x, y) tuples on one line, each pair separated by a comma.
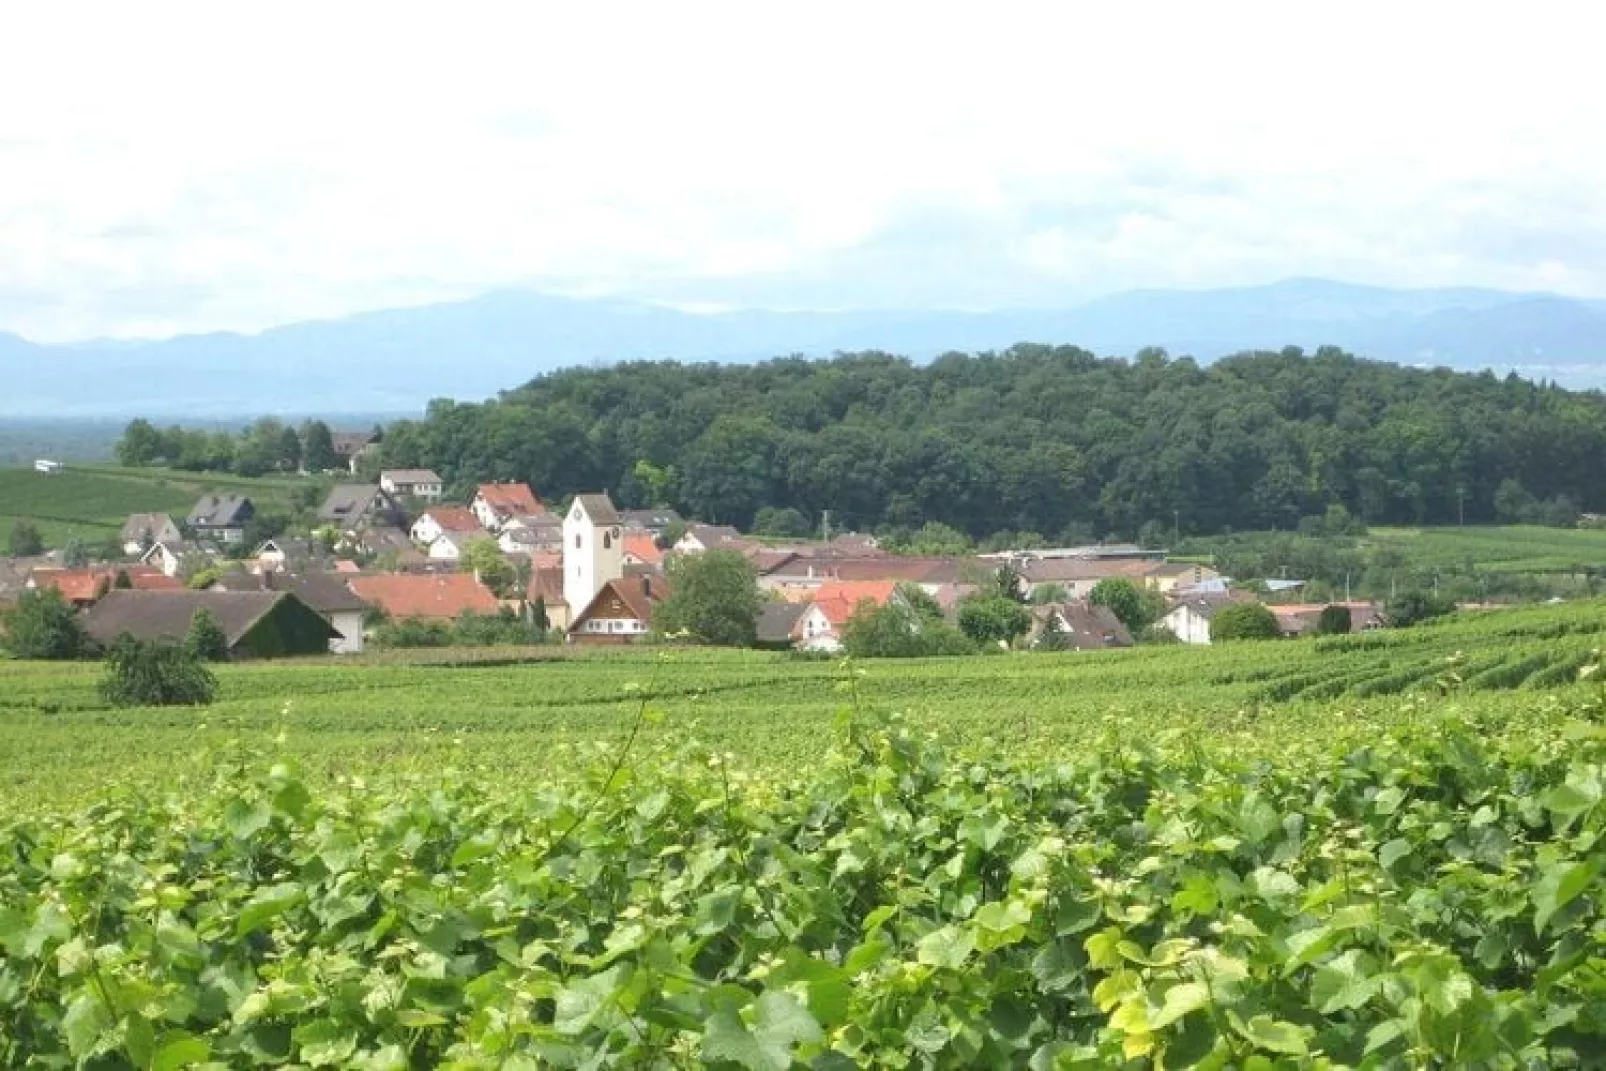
[(1048, 440)]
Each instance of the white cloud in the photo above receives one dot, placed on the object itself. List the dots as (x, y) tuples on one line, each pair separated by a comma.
[(168, 166)]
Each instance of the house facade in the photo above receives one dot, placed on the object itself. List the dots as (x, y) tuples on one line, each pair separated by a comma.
[(497, 503), (422, 484), (143, 530), (439, 520), (620, 612), (222, 517), (352, 507)]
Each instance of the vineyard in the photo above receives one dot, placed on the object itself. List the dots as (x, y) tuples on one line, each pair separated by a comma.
[(1374, 851)]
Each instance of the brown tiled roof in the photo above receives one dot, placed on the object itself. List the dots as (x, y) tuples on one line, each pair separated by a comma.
[(1050, 570), (454, 519), (1088, 627), (639, 593), (325, 593), (442, 596), (511, 498)]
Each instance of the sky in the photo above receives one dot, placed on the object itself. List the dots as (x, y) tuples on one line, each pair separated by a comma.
[(176, 167)]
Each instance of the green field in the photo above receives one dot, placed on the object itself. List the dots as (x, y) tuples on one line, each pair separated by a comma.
[(1509, 548), (1377, 851), (92, 501)]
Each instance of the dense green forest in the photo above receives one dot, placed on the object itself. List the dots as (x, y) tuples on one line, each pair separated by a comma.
[(1038, 439)]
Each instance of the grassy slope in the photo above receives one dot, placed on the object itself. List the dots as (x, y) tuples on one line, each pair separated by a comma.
[(522, 723), (92, 501), (1508, 548)]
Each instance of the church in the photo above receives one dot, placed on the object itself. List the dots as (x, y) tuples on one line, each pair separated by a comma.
[(608, 603)]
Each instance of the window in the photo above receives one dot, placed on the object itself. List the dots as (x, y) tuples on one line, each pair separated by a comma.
[(607, 541), (577, 541)]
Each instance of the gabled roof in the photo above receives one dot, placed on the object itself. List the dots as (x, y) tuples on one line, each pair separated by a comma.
[(347, 443), (322, 592), (714, 536), (154, 527), (838, 600), (1051, 570), (166, 615), (410, 476), (892, 568), (346, 501), (454, 519), (221, 511), (82, 585), (1087, 627), (644, 547), (599, 508), (650, 519), (778, 620), (509, 498), (639, 593), (443, 596)]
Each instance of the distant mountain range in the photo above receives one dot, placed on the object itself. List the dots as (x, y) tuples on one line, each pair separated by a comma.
[(396, 360)]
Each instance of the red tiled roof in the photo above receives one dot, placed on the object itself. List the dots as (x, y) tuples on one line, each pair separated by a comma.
[(837, 600), (442, 596), (85, 585), (454, 519), (643, 546), (510, 498)]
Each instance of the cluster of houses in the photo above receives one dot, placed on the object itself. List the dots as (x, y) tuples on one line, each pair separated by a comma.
[(592, 570)]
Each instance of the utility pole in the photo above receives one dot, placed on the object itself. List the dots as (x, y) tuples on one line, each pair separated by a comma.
[(1175, 527), (825, 524), (1461, 505)]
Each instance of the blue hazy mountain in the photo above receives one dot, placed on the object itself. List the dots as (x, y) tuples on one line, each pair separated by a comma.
[(396, 360)]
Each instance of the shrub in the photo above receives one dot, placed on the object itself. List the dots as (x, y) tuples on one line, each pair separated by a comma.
[(1414, 607), (713, 597), (895, 631), (993, 619), (44, 626), (1244, 621), (140, 673), (413, 632), (1334, 620)]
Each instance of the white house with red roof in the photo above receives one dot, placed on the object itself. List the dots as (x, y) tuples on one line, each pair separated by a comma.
[(496, 503)]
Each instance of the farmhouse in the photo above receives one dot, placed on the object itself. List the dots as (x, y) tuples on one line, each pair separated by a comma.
[(1084, 626), (267, 624), (324, 594), (428, 596), (221, 517), (621, 611), (142, 530), (412, 483), (497, 503), (352, 507), (438, 520)]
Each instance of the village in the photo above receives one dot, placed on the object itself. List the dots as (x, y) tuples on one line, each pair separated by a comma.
[(395, 550)]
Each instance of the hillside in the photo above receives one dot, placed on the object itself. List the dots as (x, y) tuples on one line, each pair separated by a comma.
[(92, 502), (396, 360)]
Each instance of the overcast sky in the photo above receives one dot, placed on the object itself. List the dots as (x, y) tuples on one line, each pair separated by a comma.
[(174, 167)]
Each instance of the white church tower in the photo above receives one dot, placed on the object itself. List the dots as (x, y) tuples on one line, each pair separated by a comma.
[(593, 550)]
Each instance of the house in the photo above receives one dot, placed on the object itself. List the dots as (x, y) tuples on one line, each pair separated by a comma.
[(531, 533), (48, 467), (429, 596), (1084, 626), (451, 546), (833, 603), (438, 520), (1300, 619), (351, 507), (1077, 577), (641, 548), (496, 503), (701, 537), (285, 552), (412, 483), (1189, 619), (178, 559), (222, 517), (325, 594), (796, 576), (1166, 577), (352, 446), (381, 539), (780, 624), (545, 590), (655, 521), (593, 550), (620, 612), (84, 587), (255, 624), (1093, 552), (142, 530)]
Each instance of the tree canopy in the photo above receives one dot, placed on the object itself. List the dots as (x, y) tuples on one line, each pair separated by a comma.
[(43, 625), (713, 597), (1244, 621), (1049, 441)]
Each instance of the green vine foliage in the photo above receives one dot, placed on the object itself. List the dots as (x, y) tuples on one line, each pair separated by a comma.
[(1433, 900)]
